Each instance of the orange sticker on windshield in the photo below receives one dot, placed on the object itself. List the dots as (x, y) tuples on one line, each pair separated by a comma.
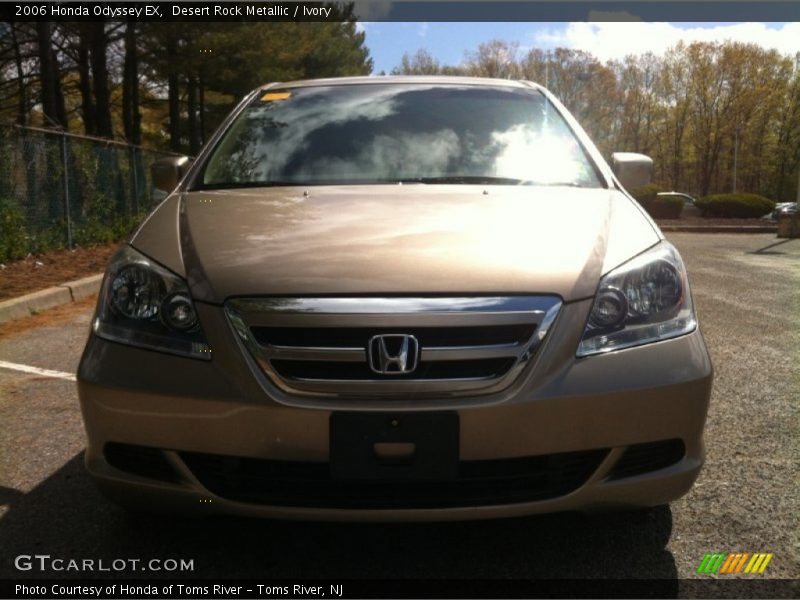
[(275, 96)]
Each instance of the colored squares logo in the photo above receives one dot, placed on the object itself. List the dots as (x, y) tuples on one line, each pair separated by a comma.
[(734, 563)]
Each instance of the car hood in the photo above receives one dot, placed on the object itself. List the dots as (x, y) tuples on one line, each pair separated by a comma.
[(396, 239)]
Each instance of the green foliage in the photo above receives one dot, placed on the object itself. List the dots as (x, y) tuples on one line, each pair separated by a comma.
[(670, 200), (646, 193), (13, 237), (18, 237), (658, 207), (95, 231), (101, 221), (420, 63), (691, 109), (103, 205), (665, 207), (48, 238), (735, 206), (235, 58), (98, 222)]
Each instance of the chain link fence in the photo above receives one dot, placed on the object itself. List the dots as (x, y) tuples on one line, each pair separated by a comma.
[(59, 190)]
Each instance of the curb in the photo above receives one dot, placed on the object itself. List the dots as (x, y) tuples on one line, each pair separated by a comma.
[(719, 228), (30, 304)]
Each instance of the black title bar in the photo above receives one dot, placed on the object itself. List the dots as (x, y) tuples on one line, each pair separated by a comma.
[(364, 10)]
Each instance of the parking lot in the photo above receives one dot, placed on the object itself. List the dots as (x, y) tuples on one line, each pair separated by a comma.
[(747, 499)]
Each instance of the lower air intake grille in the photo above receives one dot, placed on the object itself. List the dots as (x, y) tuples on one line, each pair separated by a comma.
[(643, 458), (479, 483), (140, 460)]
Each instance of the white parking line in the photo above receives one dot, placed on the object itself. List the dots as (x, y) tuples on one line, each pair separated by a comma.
[(37, 371)]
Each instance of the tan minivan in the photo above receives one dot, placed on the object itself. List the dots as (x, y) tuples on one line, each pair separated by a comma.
[(396, 298)]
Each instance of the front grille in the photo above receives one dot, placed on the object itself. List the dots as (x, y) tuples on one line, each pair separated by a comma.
[(309, 485), (643, 458), (359, 371), (321, 346)]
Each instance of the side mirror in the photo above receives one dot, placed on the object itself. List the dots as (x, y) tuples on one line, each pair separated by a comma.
[(633, 170), (167, 172)]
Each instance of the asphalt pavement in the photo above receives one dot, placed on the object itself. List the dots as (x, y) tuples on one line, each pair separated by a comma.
[(747, 499)]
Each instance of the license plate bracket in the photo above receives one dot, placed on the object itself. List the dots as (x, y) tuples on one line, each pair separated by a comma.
[(394, 446)]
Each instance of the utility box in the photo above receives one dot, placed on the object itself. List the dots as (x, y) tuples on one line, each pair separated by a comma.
[(789, 226)]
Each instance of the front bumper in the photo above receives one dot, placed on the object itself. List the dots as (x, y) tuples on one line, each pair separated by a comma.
[(560, 405)]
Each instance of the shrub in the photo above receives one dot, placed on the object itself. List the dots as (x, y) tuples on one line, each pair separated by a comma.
[(13, 233), (742, 206), (664, 207), (658, 207), (95, 231), (646, 193), (99, 221), (48, 238)]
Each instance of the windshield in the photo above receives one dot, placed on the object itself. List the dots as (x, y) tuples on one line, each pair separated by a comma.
[(394, 133)]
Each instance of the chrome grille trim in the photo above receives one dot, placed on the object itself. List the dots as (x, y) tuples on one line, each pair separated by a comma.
[(469, 352), (311, 353), (394, 305), (398, 315)]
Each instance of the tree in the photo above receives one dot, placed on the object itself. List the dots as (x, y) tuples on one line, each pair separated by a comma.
[(98, 44), (131, 117), (201, 65), (85, 79), (49, 77), (421, 63), (15, 34), (638, 78), (495, 58), (585, 86), (696, 110), (702, 111), (673, 104), (786, 158)]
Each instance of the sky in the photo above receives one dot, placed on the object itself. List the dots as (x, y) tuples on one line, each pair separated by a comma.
[(607, 40)]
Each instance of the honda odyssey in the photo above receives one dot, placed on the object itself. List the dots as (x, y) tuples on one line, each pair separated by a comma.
[(396, 298)]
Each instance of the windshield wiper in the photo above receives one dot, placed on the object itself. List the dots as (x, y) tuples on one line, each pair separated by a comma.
[(232, 185), (462, 179), (482, 180), (562, 184), (442, 180)]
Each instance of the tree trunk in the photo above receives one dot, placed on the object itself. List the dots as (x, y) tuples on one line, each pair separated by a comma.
[(202, 109), (131, 118), (85, 84), (102, 98), (47, 74), (22, 90), (194, 130), (61, 109), (174, 97), (137, 115)]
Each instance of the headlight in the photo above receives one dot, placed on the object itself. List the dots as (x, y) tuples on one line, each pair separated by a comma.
[(143, 304), (645, 300)]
